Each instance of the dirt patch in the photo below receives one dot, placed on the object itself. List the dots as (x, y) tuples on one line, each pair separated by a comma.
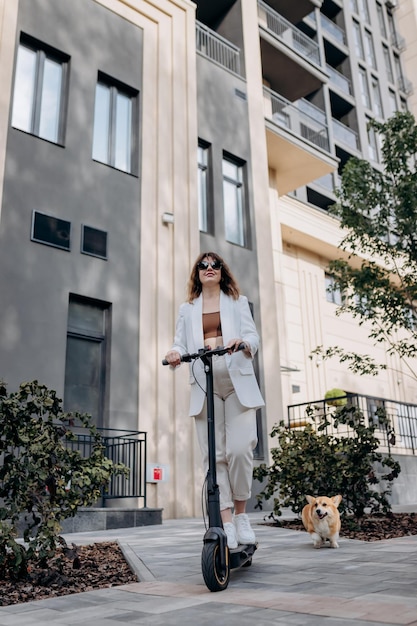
[(97, 566)]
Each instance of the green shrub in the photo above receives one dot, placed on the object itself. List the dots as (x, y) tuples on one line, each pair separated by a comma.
[(335, 393), (310, 461), (42, 480)]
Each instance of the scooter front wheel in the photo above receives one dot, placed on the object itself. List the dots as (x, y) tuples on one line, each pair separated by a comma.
[(215, 576)]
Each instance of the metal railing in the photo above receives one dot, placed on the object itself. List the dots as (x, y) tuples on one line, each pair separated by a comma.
[(336, 78), (396, 422), (333, 29), (405, 85), (120, 446), (303, 118), (345, 135), (289, 34), (217, 48)]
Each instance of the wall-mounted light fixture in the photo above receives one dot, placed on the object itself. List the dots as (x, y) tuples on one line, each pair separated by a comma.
[(167, 218)]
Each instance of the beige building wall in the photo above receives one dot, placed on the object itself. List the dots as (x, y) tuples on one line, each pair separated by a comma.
[(168, 185), (305, 241), (406, 15)]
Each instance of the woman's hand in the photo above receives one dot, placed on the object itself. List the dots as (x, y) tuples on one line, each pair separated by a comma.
[(174, 358), (233, 345)]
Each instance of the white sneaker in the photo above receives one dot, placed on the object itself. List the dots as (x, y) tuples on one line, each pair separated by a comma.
[(229, 529), (244, 530)]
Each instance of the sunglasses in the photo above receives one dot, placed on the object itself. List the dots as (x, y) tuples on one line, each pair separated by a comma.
[(204, 265)]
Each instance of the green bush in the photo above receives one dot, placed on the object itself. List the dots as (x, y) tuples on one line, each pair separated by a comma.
[(336, 393), (42, 480), (311, 461)]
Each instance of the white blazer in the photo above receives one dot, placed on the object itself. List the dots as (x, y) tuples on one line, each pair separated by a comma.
[(237, 322)]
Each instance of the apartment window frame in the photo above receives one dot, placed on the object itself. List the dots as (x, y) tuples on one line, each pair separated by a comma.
[(358, 40), (49, 220), (83, 249), (106, 151), (205, 216), (373, 147), (376, 97), (369, 47), (364, 10), (364, 87), (333, 295), (388, 63), (38, 93), (381, 20), (238, 233)]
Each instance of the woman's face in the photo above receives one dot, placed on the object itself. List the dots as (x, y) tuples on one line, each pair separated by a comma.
[(208, 274)]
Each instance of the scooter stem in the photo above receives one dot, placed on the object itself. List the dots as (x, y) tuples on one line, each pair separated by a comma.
[(213, 493)]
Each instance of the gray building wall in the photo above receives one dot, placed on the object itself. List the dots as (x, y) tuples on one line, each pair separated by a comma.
[(64, 181)]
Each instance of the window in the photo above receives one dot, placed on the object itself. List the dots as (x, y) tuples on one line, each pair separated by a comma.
[(86, 370), (39, 91), (376, 96), (363, 80), (203, 187), (94, 242), (369, 50), (363, 10), (381, 20), (388, 64), (372, 144), (358, 40), (233, 201), (51, 230), (354, 6), (333, 293), (392, 98), (115, 115)]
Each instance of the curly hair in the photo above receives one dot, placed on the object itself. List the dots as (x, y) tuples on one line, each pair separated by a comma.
[(228, 283)]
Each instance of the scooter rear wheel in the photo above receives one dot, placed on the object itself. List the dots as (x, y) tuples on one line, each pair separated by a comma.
[(215, 577)]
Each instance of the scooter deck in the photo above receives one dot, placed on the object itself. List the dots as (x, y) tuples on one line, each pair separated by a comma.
[(241, 555)]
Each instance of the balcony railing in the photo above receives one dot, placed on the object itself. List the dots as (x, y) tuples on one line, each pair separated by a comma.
[(345, 135), (218, 49), (120, 446), (336, 78), (405, 85), (289, 34), (396, 422), (333, 29), (302, 118)]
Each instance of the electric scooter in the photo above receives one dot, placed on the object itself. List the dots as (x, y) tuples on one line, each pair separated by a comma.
[(217, 560)]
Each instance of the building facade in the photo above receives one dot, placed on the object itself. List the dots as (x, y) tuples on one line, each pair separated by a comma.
[(134, 135)]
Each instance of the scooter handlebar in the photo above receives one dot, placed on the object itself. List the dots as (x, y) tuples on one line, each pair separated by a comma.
[(219, 351)]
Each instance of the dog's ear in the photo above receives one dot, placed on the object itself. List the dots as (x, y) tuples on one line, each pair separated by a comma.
[(337, 500), (310, 499)]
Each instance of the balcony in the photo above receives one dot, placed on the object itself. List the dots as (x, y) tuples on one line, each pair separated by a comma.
[(338, 80), (217, 49), (334, 40), (405, 85), (346, 136), (290, 59), (297, 141), (212, 12), (294, 11), (396, 421)]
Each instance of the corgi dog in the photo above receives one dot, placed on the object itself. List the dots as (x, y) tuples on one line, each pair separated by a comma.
[(321, 518)]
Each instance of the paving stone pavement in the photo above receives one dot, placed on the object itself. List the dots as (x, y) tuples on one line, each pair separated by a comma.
[(289, 583)]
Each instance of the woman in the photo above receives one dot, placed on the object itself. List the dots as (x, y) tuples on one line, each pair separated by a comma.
[(217, 315)]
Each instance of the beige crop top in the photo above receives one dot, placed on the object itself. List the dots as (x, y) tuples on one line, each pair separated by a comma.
[(212, 326)]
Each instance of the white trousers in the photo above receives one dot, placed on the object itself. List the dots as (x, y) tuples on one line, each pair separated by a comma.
[(236, 437)]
